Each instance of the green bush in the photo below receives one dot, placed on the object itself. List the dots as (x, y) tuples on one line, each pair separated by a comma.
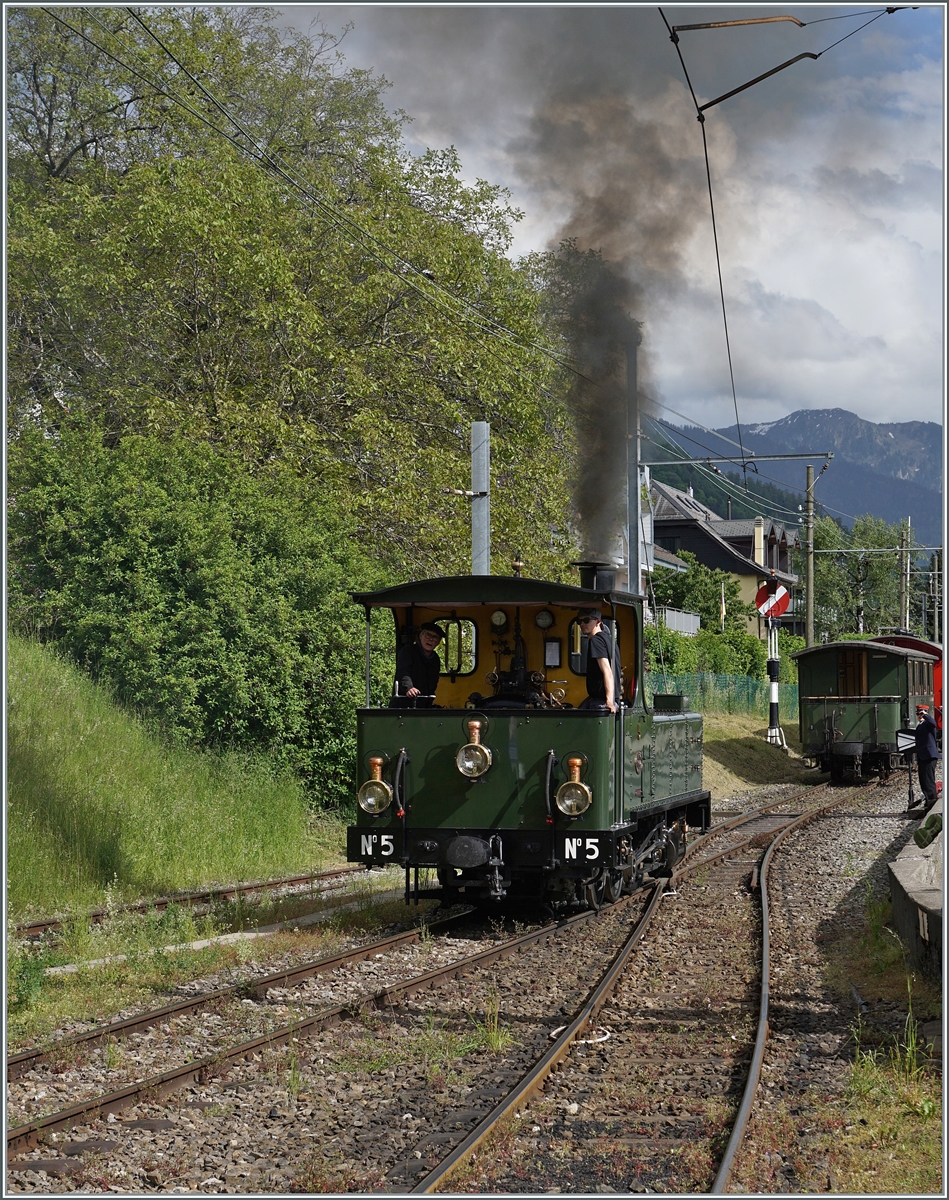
[(733, 652), (788, 644), (211, 598)]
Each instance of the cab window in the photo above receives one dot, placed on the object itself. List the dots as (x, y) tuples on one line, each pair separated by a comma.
[(459, 651)]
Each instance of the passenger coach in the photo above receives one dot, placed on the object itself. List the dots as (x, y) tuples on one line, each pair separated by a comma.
[(854, 696)]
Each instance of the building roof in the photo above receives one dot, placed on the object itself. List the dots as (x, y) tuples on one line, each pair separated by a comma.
[(670, 502), (665, 558), (865, 644), (671, 505), (736, 529)]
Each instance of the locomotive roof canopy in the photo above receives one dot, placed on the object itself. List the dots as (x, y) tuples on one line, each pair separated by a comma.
[(461, 590), (866, 644)]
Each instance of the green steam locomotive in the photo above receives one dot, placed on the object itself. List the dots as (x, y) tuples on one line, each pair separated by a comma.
[(500, 786)]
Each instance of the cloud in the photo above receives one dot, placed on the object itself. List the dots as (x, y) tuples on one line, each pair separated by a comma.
[(827, 180)]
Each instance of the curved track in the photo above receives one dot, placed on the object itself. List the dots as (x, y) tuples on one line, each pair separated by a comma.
[(722, 842)]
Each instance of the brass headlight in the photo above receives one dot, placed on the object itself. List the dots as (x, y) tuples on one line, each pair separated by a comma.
[(375, 795), (474, 759), (573, 797)]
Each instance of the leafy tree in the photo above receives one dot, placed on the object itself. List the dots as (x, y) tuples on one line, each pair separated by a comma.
[(95, 86), (788, 644), (189, 291), (699, 590), (734, 652), (211, 598), (856, 593), (230, 399)]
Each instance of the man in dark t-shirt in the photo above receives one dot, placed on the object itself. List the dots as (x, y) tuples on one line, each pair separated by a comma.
[(417, 666), (602, 685)]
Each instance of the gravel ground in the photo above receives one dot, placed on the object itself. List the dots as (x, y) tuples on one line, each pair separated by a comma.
[(648, 1109), (365, 1105), (374, 1102), (810, 1053), (194, 1036)]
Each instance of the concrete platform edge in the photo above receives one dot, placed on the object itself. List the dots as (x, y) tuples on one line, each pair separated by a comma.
[(916, 889)]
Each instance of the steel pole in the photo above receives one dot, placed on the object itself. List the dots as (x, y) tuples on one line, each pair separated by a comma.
[(809, 559), (481, 500), (633, 500)]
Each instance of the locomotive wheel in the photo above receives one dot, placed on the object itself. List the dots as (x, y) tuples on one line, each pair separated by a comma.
[(614, 886), (594, 892)]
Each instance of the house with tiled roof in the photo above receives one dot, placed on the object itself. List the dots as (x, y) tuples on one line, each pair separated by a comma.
[(748, 549)]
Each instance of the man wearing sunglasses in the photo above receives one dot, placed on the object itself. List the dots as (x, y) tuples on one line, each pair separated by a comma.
[(601, 669)]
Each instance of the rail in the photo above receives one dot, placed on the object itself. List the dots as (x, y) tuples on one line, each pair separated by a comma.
[(754, 1072), (184, 899)]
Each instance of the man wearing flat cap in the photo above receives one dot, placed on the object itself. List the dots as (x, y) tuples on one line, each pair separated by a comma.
[(602, 668), (927, 754), (417, 666)]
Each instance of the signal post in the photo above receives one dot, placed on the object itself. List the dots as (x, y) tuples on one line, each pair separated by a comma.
[(771, 601)]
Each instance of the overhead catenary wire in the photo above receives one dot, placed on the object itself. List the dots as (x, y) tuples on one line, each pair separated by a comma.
[(727, 485), (700, 116), (724, 480), (718, 258)]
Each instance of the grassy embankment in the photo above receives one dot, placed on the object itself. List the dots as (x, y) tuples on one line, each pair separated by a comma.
[(737, 757), (100, 812), (95, 802)]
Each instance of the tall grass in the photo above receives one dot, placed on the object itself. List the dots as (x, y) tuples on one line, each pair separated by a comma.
[(96, 800)]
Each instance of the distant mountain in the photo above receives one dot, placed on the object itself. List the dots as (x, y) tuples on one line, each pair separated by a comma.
[(892, 471)]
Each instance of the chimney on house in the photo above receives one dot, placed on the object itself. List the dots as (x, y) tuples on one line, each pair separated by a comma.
[(758, 546)]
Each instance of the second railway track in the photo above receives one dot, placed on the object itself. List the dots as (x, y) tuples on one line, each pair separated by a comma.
[(449, 1021)]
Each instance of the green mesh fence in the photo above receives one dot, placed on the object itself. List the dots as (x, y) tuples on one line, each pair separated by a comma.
[(727, 693)]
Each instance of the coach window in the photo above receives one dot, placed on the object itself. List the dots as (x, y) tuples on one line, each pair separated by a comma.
[(852, 673)]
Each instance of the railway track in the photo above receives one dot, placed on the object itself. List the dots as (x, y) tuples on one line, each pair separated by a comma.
[(707, 854), (724, 840), (34, 929)]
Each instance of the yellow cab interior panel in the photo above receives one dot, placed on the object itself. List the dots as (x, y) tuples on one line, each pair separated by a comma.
[(481, 639)]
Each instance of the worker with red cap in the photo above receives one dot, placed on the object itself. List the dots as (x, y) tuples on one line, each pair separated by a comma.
[(927, 754)]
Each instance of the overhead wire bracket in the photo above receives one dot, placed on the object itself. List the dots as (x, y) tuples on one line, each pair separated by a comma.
[(752, 82)]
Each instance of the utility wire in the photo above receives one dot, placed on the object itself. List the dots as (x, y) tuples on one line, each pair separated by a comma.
[(857, 30), (727, 485), (700, 115), (718, 258), (846, 16), (721, 474), (751, 460), (739, 492), (353, 226)]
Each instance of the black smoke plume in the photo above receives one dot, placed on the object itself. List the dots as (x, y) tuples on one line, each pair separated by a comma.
[(633, 204)]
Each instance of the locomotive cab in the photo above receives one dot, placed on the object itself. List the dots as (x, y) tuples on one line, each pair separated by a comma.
[(500, 785)]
